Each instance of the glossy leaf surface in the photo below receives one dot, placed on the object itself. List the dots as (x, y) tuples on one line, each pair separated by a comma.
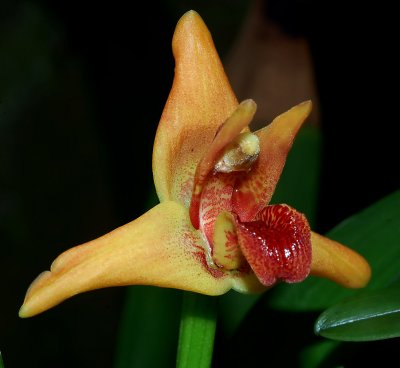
[(371, 316)]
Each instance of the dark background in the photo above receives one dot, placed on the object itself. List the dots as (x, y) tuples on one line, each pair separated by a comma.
[(82, 89)]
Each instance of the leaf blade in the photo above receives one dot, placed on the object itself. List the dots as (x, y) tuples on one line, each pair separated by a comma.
[(371, 316)]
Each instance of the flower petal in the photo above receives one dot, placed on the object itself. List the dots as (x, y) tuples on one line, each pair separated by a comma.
[(254, 190), (215, 198), (201, 99), (159, 248), (338, 263), (231, 128), (226, 251)]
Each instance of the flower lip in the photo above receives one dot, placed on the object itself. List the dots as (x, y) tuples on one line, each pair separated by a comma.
[(277, 244)]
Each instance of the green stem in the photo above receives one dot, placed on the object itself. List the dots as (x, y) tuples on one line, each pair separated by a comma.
[(1, 361), (197, 331)]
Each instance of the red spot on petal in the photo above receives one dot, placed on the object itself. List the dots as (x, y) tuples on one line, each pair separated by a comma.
[(277, 245), (215, 198), (215, 272), (199, 253)]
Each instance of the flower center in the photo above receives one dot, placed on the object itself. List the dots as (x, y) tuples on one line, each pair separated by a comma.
[(275, 244), (240, 154), (274, 240)]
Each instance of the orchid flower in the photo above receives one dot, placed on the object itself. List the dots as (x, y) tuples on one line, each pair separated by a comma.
[(214, 229)]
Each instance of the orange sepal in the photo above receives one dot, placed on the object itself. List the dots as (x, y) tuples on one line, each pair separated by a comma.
[(338, 263), (201, 99), (254, 190), (159, 248)]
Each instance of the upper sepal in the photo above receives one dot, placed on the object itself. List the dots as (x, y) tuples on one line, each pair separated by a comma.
[(201, 99)]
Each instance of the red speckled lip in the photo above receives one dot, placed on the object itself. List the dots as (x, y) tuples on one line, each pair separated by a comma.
[(277, 245)]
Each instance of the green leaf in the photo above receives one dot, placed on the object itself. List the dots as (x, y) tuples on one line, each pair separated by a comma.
[(312, 356), (374, 315), (375, 233), (149, 328), (197, 331), (1, 361)]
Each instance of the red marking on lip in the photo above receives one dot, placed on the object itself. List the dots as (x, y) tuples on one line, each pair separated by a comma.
[(277, 245)]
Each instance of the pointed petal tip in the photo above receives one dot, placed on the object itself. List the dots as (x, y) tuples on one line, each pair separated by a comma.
[(29, 307), (190, 14), (156, 249), (190, 23), (190, 17), (338, 263), (244, 112), (26, 311), (303, 109), (23, 313), (306, 103), (249, 104)]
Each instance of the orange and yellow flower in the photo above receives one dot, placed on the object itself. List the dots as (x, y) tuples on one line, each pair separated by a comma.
[(214, 229)]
